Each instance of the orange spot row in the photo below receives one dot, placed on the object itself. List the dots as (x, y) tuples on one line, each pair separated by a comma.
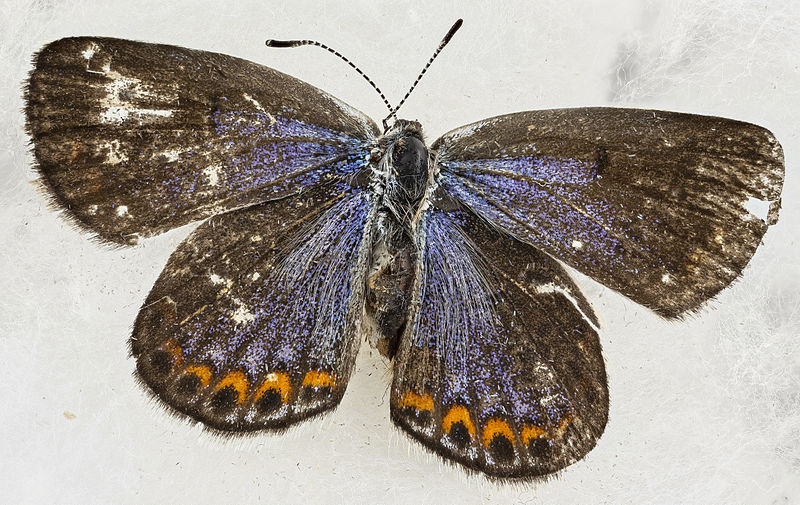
[(238, 382), (419, 402), (175, 351), (202, 371), (458, 413), (278, 382), (531, 431), (316, 379), (496, 427)]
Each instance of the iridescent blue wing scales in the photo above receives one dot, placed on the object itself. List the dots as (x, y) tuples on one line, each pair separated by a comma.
[(133, 139), (499, 368), (660, 206), (253, 322)]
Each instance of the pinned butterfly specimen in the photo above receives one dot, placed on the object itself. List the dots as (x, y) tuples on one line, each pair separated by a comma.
[(319, 229)]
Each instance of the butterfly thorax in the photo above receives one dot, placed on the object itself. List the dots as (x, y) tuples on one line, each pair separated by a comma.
[(401, 172), (403, 169)]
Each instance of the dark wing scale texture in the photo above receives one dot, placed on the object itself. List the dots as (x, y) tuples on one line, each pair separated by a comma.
[(134, 139), (652, 204), (500, 366), (253, 322)]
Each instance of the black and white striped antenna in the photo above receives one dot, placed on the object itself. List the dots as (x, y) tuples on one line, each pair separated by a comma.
[(392, 110)]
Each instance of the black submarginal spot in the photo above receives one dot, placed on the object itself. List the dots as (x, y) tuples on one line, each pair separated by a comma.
[(161, 363), (224, 400), (424, 417), (540, 447), (188, 385), (409, 411), (459, 434), (501, 449), (269, 402), (420, 416), (311, 394)]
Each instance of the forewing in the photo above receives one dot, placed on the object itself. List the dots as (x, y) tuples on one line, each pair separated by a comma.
[(652, 204), (134, 139), (500, 366), (253, 322)]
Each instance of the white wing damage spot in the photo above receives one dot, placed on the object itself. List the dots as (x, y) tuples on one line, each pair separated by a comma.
[(122, 93), (546, 401), (256, 238), (255, 276), (242, 314), (577, 244), (212, 173), (171, 155), (758, 208), (114, 155), (122, 210), (89, 51), (216, 279), (543, 371), (254, 102), (88, 54), (119, 113), (114, 115), (666, 279)]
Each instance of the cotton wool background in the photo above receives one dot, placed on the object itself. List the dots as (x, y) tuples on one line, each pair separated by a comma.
[(704, 410)]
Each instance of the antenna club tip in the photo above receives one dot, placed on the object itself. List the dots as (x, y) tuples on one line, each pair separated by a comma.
[(453, 30), (281, 43)]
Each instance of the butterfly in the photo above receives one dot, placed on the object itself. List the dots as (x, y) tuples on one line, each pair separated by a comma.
[(319, 229)]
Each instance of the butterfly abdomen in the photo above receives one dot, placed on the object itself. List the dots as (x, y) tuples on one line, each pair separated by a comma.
[(389, 289)]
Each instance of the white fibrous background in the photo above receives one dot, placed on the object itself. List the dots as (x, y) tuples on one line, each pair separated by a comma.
[(703, 410)]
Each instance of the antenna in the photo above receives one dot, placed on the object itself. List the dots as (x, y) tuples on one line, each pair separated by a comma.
[(392, 110), (444, 42), (298, 43)]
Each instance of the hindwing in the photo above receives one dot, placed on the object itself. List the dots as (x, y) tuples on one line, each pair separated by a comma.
[(254, 321), (500, 367)]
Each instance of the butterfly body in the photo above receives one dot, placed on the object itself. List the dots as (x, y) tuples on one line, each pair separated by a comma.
[(401, 176), (316, 228)]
